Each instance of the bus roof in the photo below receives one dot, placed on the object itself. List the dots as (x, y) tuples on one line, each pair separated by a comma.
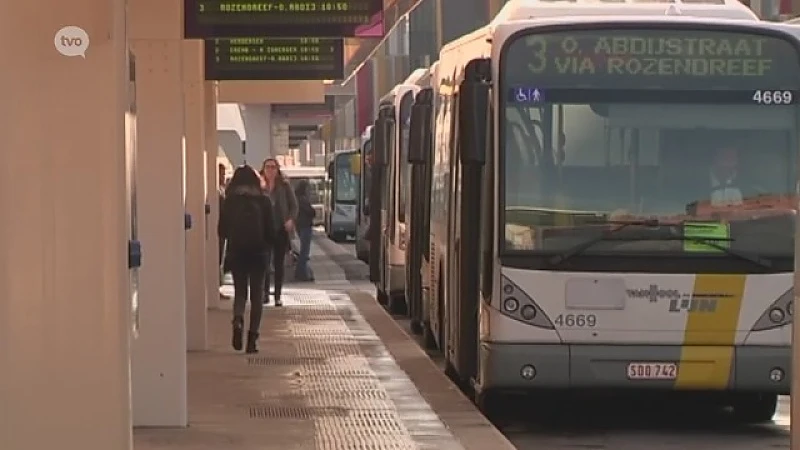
[(416, 76), (516, 10)]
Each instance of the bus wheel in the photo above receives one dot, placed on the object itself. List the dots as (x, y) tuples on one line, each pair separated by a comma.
[(416, 327), (754, 408)]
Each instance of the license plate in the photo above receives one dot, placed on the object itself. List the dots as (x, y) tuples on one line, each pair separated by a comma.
[(652, 371)]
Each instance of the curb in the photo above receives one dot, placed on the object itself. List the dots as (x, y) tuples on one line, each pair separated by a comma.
[(455, 410)]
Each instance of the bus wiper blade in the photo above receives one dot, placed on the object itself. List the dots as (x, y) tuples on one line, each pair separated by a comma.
[(605, 235), (715, 244)]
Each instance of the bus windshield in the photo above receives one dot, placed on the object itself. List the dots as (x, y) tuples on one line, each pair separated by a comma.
[(347, 179), (604, 126)]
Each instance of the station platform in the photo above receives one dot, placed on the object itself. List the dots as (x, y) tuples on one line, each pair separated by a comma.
[(335, 371)]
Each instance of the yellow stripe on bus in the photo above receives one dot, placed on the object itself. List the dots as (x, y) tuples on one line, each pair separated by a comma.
[(709, 336)]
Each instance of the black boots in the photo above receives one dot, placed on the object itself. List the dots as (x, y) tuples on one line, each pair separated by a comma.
[(252, 342), (238, 330)]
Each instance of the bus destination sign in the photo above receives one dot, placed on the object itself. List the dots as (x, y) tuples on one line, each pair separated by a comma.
[(274, 59), (645, 59), (209, 19)]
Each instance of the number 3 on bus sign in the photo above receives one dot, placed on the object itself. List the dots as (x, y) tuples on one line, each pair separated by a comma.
[(538, 46), (767, 97)]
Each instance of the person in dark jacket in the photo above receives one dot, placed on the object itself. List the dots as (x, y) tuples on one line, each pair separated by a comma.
[(246, 223), (222, 182), (285, 208), (305, 222)]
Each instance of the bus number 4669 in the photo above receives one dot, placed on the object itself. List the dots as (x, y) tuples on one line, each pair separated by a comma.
[(576, 320)]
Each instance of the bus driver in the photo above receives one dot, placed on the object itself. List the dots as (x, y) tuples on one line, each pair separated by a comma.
[(724, 178)]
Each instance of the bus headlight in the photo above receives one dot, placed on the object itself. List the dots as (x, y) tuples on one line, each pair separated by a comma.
[(510, 304), (778, 314), (528, 312), (520, 306)]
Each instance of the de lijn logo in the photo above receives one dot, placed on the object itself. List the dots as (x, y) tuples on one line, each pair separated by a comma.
[(72, 41)]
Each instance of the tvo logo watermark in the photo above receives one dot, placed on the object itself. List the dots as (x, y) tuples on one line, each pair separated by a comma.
[(72, 41)]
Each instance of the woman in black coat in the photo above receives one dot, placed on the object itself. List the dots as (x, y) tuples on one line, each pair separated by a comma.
[(246, 223)]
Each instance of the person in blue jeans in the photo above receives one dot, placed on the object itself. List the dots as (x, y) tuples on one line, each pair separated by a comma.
[(304, 224)]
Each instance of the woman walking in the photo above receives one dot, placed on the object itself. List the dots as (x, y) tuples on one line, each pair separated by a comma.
[(246, 222), (284, 209), (305, 222)]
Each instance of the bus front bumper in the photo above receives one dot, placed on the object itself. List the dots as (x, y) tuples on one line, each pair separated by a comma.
[(555, 366)]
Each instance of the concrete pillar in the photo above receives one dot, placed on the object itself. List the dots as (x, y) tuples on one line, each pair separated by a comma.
[(258, 125), (194, 132), (159, 353), (65, 304), (212, 196)]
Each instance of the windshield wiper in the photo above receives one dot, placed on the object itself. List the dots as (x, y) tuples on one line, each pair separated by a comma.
[(604, 236), (710, 242)]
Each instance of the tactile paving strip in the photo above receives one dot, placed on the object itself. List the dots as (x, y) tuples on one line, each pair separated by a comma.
[(345, 381), (341, 379)]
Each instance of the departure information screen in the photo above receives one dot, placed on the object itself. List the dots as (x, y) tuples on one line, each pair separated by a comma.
[(274, 59), (622, 62), (207, 19)]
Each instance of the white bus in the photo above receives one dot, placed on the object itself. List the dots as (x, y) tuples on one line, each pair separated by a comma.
[(395, 109), (418, 209), (344, 174), (316, 178), (613, 201), (362, 235)]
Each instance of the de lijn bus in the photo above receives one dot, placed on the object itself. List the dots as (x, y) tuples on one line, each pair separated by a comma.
[(418, 209), (341, 215), (612, 201), (362, 227), (395, 113)]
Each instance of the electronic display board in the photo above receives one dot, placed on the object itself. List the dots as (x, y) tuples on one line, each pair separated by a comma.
[(274, 59), (209, 19), (671, 59)]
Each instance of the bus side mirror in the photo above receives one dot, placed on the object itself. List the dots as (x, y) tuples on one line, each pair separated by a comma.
[(381, 133), (472, 112), (419, 139)]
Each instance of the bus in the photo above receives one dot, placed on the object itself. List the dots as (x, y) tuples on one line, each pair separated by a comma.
[(344, 174), (419, 207), (362, 238), (593, 222), (316, 177), (395, 107)]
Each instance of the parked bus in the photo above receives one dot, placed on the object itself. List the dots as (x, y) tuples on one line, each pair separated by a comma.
[(362, 238), (316, 178), (584, 227), (396, 109), (344, 174), (418, 209)]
